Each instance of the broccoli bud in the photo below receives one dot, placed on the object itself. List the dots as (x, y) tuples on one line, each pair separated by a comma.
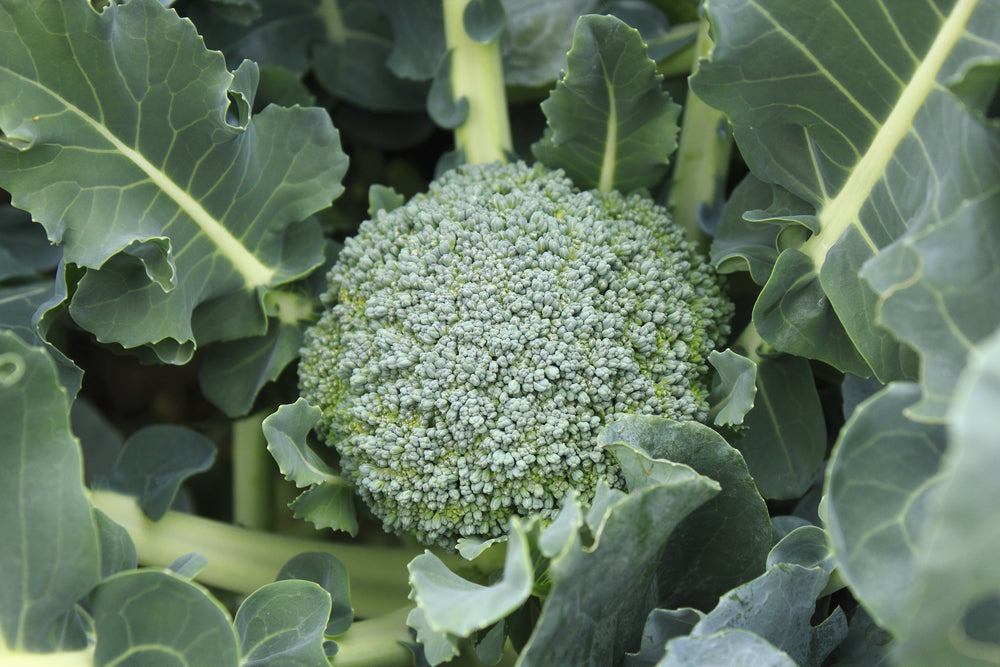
[(477, 338)]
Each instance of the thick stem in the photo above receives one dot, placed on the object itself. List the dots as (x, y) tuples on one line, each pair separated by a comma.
[(477, 75), (253, 475), (376, 642), (703, 153), (243, 560), (84, 658)]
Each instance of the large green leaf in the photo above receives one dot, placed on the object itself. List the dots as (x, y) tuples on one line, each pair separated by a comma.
[(282, 624), (134, 146), (49, 548), (951, 612), (720, 545), (610, 124), (879, 480), (849, 119), (147, 617)]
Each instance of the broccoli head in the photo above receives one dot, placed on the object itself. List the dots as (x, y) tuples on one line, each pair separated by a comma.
[(477, 338)]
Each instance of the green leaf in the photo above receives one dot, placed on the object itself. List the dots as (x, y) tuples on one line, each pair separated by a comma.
[(950, 611), (784, 436), (484, 20), (283, 623), (453, 605), (187, 566), (866, 644), (777, 606), (610, 124), (733, 389), (49, 556), (153, 618), (879, 484), (232, 374), (327, 571), (807, 546), (329, 502), (116, 546), (600, 593), (383, 198), (728, 647), (662, 625), (155, 461), (24, 250), (169, 212), (721, 544), (537, 38), (859, 140), (418, 37)]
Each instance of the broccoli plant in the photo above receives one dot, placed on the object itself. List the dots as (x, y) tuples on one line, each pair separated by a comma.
[(596, 332)]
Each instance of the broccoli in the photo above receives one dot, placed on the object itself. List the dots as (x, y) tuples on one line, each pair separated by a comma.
[(478, 337)]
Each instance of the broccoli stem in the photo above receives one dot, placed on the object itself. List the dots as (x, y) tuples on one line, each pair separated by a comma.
[(376, 642), (477, 75), (242, 560), (703, 152), (84, 658), (253, 474)]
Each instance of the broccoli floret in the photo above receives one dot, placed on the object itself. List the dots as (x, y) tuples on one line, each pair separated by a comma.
[(477, 338)]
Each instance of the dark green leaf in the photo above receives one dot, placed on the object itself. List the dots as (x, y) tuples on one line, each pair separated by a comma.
[(778, 606), (49, 555), (167, 211), (859, 140), (866, 644), (418, 37), (327, 571), (537, 38), (728, 647), (784, 440), (154, 618), (721, 544), (600, 594), (232, 374), (484, 20), (442, 106), (662, 625), (610, 124), (328, 505), (282, 624), (117, 548), (155, 461), (24, 250)]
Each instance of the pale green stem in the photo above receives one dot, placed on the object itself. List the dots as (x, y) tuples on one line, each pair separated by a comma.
[(242, 560), (683, 61), (253, 474), (703, 153), (375, 642), (84, 658), (477, 75), (751, 343)]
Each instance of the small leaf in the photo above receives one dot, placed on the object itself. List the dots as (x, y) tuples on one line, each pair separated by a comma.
[(328, 505), (662, 625), (733, 389), (187, 566), (283, 623), (784, 436), (778, 606), (49, 555), (155, 461), (327, 571), (117, 549), (147, 617), (610, 124), (442, 106), (484, 20), (383, 198), (437, 647), (728, 647), (453, 605)]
